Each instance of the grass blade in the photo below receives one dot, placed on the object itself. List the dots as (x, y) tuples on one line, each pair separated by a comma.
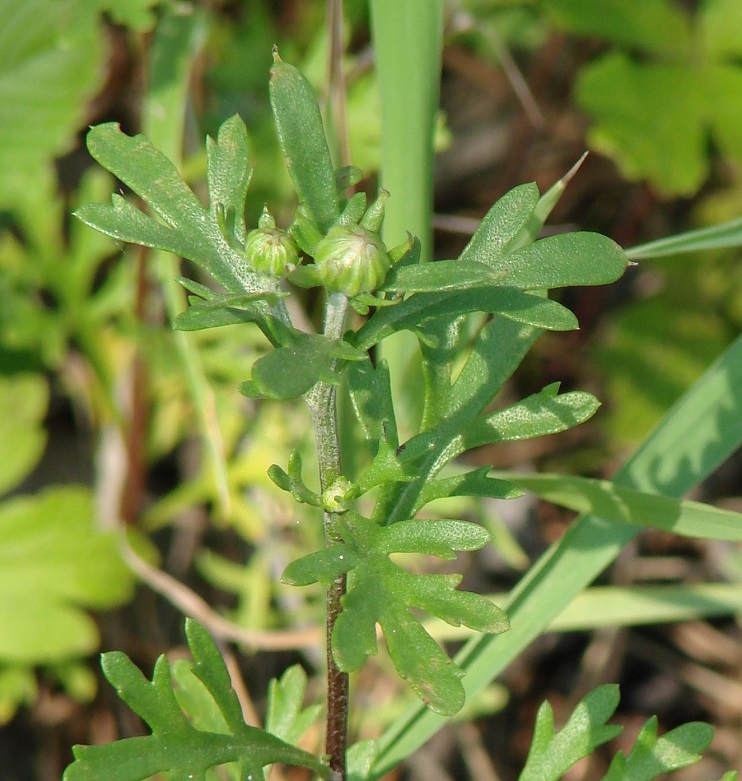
[(729, 234)]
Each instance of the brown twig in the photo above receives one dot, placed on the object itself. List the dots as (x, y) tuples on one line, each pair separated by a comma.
[(194, 606)]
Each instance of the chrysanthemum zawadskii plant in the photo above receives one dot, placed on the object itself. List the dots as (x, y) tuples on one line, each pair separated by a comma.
[(334, 243)]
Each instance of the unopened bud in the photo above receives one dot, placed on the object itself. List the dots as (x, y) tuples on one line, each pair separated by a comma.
[(268, 249), (352, 260)]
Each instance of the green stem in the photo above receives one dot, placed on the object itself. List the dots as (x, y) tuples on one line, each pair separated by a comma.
[(322, 401)]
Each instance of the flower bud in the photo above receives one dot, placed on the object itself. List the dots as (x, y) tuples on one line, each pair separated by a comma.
[(351, 260), (268, 249)]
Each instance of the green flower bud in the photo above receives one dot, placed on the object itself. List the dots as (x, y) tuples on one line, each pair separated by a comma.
[(268, 249), (351, 260)]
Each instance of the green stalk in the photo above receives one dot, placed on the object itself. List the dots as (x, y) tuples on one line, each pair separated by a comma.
[(322, 401)]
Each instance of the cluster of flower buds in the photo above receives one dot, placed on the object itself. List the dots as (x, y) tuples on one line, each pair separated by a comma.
[(350, 258)]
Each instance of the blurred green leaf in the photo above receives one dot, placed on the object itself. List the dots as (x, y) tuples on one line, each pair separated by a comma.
[(651, 118), (23, 400), (137, 14), (51, 64), (648, 25), (654, 113), (537, 415), (176, 746), (54, 563)]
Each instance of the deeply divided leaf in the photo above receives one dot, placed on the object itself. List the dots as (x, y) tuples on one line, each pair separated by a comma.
[(186, 227), (381, 592), (552, 753), (176, 746), (653, 756)]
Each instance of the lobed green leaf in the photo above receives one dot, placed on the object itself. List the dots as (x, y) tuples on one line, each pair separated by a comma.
[(285, 717), (537, 415), (553, 753), (176, 746), (187, 228), (381, 592), (53, 564), (652, 756), (229, 176)]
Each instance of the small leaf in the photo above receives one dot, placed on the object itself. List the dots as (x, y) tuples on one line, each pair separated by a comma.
[(474, 483), (553, 753), (369, 387), (285, 718), (294, 482), (321, 566), (229, 174), (290, 371), (502, 223), (652, 757), (229, 310), (440, 538)]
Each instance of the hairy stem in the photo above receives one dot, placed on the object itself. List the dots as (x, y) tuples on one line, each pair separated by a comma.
[(322, 402)]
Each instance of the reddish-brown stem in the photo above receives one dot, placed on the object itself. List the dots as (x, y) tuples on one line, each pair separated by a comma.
[(337, 689)]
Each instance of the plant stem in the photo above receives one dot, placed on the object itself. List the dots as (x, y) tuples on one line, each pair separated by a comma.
[(322, 401)]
